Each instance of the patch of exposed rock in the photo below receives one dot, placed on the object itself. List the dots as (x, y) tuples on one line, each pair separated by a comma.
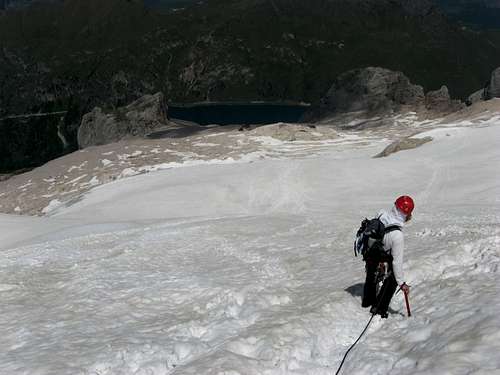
[(371, 89), (137, 119), (361, 121), (476, 97), (369, 97), (441, 102), (493, 89), (476, 113), (403, 144), (294, 132)]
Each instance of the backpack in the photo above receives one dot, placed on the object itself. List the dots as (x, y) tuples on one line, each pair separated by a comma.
[(370, 236)]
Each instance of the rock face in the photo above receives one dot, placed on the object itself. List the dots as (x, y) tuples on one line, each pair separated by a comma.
[(440, 101), (493, 89), (372, 89), (135, 120)]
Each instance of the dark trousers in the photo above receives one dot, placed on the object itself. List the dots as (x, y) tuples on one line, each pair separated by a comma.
[(383, 299)]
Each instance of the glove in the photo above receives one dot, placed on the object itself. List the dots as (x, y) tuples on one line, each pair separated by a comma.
[(405, 288)]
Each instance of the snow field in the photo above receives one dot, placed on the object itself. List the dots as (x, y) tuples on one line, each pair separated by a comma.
[(249, 269)]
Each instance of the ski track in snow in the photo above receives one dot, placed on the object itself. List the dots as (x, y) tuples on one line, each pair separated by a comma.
[(248, 269)]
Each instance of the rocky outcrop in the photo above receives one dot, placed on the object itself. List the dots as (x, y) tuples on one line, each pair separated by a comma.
[(476, 97), (373, 90), (362, 98), (493, 88), (440, 101), (293, 132), (403, 144), (139, 118)]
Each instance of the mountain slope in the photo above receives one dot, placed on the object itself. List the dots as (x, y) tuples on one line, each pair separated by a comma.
[(248, 268), (236, 49), (79, 54)]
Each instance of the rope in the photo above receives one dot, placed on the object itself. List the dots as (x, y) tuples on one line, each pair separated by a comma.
[(367, 325), (352, 346)]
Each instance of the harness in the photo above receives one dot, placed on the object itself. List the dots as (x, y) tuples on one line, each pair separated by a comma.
[(377, 253)]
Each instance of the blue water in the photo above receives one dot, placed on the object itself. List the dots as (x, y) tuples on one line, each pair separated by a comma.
[(238, 113)]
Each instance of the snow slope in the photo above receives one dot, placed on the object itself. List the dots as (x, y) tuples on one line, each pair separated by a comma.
[(248, 268)]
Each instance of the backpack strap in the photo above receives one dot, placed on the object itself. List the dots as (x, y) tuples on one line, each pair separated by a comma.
[(392, 228)]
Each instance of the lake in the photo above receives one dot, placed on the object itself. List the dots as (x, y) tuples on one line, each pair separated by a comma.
[(236, 113)]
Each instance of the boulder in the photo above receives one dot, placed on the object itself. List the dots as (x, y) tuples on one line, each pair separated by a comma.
[(440, 101), (372, 89), (493, 89), (135, 120), (476, 97)]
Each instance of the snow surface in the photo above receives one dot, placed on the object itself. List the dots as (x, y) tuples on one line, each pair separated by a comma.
[(248, 268)]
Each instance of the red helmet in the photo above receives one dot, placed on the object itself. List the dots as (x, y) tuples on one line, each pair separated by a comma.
[(405, 204)]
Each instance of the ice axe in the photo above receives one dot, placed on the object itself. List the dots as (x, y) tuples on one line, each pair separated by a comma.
[(407, 303)]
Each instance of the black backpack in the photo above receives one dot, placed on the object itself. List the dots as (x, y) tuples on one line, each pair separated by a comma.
[(370, 236)]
